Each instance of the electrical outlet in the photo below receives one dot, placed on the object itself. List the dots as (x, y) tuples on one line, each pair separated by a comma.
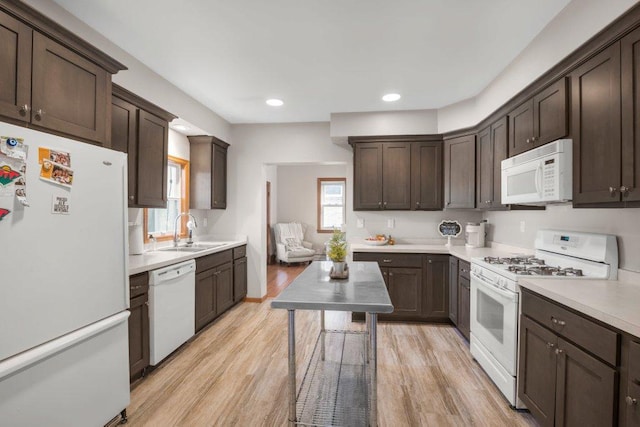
[(522, 226), (360, 223), (391, 223)]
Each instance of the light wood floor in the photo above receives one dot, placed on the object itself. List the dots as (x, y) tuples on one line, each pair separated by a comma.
[(234, 373)]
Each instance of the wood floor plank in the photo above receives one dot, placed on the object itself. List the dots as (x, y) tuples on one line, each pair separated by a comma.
[(234, 373)]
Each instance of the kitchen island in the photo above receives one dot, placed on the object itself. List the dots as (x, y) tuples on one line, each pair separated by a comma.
[(340, 384)]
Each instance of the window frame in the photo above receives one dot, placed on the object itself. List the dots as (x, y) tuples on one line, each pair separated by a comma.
[(184, 205), (320, 181)]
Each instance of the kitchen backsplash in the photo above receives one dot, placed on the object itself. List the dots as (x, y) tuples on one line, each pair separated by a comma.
[(505, 227)]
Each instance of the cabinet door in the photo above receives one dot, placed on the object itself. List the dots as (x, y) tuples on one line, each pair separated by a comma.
[(499, 141), (205, 298), (405, 286), (484, 169), (453, 289), (630, 60), (152, 160), (464, 306), (632, 404), (219, 177), (595, 128), (521, 130), (224, 288), (537, 370), (239, 279), (585, 389), (69, 93), (138, 336), (436, 288), (460, 172), (426, 175), (15, 74), (550, 110), (396, 175), (123, 138), (367, 176)]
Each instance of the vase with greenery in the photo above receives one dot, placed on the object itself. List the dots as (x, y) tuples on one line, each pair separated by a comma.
[(337, 251)]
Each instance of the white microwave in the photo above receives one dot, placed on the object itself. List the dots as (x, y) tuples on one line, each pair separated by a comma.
[(540, 176)]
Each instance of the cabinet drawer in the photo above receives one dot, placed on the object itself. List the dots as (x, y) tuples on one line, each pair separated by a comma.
[(390, 260), (597, 339), (463, 269), (213, 260), (138, 285), (634, 362), (239, 252)]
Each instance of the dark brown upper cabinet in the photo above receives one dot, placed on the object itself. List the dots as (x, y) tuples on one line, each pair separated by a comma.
[(630, 57), (595, 128), (426, 175), (460, 172), (539, 120), (492, 150), (382, 173), (208, 173), (141, 129), (60, 85)]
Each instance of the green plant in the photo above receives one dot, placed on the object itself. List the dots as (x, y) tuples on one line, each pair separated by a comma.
[(337, 251)]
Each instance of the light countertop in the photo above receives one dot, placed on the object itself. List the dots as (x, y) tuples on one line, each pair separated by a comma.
[(459, 251), (152, 260), (613, 302)]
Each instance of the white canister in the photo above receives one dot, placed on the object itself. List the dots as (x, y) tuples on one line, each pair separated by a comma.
[(136, 240), (474, 235)]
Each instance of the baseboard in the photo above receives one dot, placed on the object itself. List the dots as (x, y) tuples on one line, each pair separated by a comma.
[(258, 300)]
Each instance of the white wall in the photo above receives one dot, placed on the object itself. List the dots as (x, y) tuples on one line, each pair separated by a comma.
[(413, 122), (574, 25), (140, 79), (179, 145), (298, 199), (505, 227), (271, 175)]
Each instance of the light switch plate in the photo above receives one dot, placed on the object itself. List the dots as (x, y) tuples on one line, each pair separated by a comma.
[(360, 223), (391, 223)]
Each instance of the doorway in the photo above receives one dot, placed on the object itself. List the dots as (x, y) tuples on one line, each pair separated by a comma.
[(270, 255)]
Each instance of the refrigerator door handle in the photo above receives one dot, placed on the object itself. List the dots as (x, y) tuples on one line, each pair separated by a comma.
[(30, 357)]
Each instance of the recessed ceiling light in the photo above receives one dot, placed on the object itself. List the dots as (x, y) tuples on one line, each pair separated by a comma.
[(180, 127), (390, 97), (274, 102)]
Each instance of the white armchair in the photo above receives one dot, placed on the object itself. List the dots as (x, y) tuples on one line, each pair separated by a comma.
[(290, 243)]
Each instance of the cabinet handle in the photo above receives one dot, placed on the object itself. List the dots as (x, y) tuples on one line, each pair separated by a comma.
[(131, 197), (558, 322), (390, 274), (550, 345), (559, 351), (430, 261), (528, 140), (631, 401), (534, 139), (146, 303), (418, 204), (384, 204), (23, 110), (386, 260), (612, 191), (448, 203), (38, 115), (379, 204), (625, 190)]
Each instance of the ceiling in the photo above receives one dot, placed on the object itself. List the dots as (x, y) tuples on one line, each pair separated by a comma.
[(320, 56)]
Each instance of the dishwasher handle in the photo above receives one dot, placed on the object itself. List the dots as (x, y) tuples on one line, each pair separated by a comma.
[(170, 273)]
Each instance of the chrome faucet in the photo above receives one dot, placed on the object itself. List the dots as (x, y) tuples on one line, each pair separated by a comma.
[(176, 239)]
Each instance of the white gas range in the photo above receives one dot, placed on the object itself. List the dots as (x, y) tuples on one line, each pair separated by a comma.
[(495, 294)]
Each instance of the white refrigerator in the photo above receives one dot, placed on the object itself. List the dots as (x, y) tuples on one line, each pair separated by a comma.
[(64, 287)]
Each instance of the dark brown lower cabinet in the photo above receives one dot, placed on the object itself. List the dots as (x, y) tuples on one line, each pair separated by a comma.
[(453, 289), (563, 384), (464, 306), (405, 290), (138, 326), (224, 287), (436, 287), (239, 279), (205, 298)]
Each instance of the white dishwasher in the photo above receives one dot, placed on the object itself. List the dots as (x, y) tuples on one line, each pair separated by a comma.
[(172, 301)]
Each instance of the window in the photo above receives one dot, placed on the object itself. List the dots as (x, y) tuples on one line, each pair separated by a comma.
[(331, 204), (160, 222)]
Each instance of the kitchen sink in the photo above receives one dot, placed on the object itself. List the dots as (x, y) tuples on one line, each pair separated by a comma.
[(196, 247)]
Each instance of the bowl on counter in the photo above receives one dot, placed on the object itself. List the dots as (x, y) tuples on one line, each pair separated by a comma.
[(376, 242)]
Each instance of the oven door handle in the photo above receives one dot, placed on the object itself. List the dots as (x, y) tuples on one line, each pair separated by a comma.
[(511, 296)]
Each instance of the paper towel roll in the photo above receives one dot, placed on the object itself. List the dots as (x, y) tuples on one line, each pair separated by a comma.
[(136, 241)]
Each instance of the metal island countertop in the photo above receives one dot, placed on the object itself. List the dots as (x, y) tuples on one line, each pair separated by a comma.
[(363, 291)]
